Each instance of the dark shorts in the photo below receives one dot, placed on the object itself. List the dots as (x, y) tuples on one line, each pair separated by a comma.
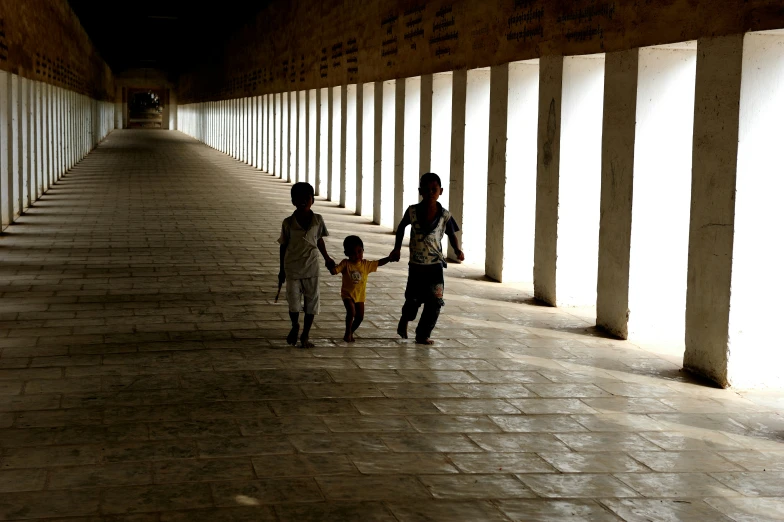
[(425, 284)]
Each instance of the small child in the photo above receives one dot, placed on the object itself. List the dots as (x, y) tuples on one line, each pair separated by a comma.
[(355, 272), (301, 239), (429, 222)]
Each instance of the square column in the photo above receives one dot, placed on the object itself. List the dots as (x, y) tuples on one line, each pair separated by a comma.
[(343, 122), (330, 137), (297, 145), (711, 229), (548, 160), (359, 171), (425, 122), (496, 172), (288, 147), (7, 147), (318, 163), (378, 111), (457, 152), (615, 223), (306, 154), (400, 135)]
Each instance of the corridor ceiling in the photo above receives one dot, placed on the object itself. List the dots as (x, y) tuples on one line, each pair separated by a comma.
[(169, 35)]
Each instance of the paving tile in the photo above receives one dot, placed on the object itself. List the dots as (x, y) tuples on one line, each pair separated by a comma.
[(131, 474), (227, 514), (337, 511), (684, 461), (584, 485), (303, 465), (542, 510), (146, 499), (49, 504), (402, 463), (487, 463), (452, 423), (753, 483), (479, 487), (22, 480), (605, 462), (202, 470), (372, 487), (643, 510), (675, 485), (755, 509), (446, 511)]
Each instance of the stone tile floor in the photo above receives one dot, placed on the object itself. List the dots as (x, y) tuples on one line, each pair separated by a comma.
[(144, 377)]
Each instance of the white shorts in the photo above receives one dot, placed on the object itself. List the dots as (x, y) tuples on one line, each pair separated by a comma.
[(297, 289)]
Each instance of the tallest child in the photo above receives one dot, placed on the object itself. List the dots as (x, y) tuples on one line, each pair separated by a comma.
[(429, 222), (301, 240)]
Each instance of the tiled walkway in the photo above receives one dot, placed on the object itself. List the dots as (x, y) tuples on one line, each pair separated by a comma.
[(144, 377)]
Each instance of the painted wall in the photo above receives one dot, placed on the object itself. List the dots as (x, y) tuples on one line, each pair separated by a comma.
[(296, 44), (42, 40)]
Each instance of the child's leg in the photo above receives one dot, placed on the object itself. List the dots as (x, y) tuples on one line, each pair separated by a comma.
[(428, 321), (310, 288), (294, 297), (350, 314), (306, 331), (411, 306), (359, 315)]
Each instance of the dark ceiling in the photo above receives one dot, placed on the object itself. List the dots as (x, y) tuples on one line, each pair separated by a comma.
[(170, 35)]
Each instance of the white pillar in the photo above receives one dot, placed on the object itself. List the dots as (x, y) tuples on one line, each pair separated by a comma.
[(714, 167), (425, 123), (496, 172), (6, 149), (547, 170), (618, 135), (342, 144), (378, 111), (359, 173), (399, 151), (457, 152), (318, 165), (330, 141), (412, 133)]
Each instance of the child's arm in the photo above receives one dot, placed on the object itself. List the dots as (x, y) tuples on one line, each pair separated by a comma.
[(327, 260), (384, 261), (401, 232), (282, 273), (455, 245)]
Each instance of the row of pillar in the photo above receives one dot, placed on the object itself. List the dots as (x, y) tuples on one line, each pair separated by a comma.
[(44, 131), (506, 126)]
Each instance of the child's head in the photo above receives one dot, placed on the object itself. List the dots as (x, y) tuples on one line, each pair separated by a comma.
[(430, 187), (354, 248), (302, 195)]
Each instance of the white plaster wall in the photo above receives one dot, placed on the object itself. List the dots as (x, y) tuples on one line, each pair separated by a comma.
[(388, 154), (368, 124), (324, 146), (756, 353), (661, 196), (520, 204), (5, 169), (477, 129), (411, 134), (580, 180)]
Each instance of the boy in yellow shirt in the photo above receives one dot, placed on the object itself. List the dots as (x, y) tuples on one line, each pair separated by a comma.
[(355, 272)]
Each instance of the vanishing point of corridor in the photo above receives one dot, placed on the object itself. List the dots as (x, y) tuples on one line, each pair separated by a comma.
[(144, 376)]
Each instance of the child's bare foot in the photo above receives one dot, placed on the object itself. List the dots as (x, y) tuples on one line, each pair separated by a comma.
[(291, 338), (305, 342), (349, 338), (402, 329), (419, 340)]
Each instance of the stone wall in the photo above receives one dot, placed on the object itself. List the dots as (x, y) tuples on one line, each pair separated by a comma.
[(42, 40), (298, 44)]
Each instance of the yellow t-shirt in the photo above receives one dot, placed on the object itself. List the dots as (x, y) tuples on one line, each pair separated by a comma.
[(355, 278)]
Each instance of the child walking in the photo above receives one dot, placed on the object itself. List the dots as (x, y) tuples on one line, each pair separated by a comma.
[(355, 272), (429, 222), (301, 240)]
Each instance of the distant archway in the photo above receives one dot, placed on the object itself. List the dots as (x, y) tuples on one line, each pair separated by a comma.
[(145, 108)]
